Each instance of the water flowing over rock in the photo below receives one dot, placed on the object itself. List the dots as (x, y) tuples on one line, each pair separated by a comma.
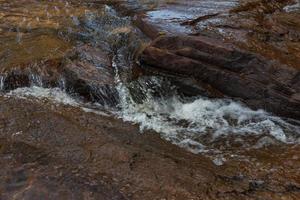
[(176, 17), (149, 99), (236, 73), (86, 71), (91, 76)]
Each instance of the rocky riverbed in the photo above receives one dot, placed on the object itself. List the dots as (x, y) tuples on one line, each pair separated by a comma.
[(149, 99)]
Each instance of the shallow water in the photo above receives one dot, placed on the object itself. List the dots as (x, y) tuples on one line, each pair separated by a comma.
[(199, 124)]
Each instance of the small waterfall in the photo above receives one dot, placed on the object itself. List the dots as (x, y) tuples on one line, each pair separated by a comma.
[(105, 95), (196, 124)]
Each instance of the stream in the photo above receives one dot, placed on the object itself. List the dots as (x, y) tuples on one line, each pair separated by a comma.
[(36, 32)]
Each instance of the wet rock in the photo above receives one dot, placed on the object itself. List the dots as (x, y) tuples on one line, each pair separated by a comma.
[(84, 70), (34, 61), (258, 82), (268, 28), (177, 17), (42, 50), (52, 151), (44, 73), (91, 75)]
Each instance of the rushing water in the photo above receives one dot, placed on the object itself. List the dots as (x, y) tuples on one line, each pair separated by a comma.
[(195, 124), (198, 124)]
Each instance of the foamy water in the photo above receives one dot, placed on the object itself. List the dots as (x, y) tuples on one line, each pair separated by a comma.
[(53, 94), (188, 123), (58, 96)]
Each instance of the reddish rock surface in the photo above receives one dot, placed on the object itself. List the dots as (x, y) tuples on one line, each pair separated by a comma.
[(90, 74)]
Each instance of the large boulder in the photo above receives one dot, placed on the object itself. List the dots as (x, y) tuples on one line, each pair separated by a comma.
[(258, 82)]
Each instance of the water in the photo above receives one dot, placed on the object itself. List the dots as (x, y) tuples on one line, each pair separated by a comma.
[(50, 94), (196, 125), (199, 124), (2, 79)]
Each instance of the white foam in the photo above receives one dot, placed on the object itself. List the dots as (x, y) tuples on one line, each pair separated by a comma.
[(186, 124), (56, 95), (52, 94), (98, 112)]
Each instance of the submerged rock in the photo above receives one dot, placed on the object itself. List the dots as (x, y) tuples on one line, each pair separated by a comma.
[(35, 57)]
